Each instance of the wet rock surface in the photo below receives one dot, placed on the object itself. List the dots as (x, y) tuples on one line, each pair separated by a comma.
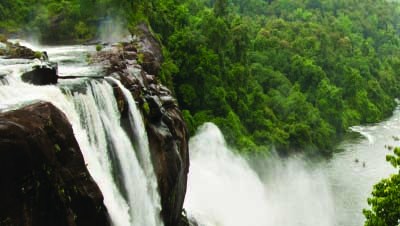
[(149, 50), (42, 74), (167, 131), (49, 183), (43, 179)]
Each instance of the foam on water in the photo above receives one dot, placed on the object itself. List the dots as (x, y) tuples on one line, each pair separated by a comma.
[(224, 190), (127, 184)]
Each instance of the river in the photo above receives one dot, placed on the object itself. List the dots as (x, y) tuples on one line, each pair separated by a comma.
[(226, 190), (122, 170), (352, 182), (223, 188)]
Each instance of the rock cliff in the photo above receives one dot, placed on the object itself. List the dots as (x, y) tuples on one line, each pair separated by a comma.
[(43, 177), (136, 65)]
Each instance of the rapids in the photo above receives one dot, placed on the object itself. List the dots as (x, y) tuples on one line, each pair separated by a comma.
[(120, 168), (224, 189)]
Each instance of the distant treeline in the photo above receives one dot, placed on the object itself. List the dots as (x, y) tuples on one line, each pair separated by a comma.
[(292, 74)]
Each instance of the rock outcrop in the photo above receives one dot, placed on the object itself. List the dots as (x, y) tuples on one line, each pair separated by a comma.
[(42, 74), (10, 50), (167, 131), (45, 181), (149, 49), (43, 177)]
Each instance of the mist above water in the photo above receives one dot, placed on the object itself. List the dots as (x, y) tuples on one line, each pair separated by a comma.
[(224, 190), (112, 30)]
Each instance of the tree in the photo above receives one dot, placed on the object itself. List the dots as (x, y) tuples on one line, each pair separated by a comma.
[(385, 200), (220, 7)]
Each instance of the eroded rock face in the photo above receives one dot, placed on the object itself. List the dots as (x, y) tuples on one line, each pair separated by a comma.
[(167, 131), (150, 50), (43, 177)]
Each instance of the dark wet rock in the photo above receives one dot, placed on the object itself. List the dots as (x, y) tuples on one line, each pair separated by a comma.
[(43, 177), (150, 50), (43, 74), (170, 147), (156, 111), (166, 129)]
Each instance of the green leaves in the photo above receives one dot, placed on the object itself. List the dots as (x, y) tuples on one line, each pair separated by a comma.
[(385, 200), (294, 74)]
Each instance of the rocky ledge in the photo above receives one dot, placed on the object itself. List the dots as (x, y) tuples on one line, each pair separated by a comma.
[(43, 177), (11, 50), (45, 181), (136, 65)]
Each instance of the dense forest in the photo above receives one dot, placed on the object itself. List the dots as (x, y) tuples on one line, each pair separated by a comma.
[(289, 74)]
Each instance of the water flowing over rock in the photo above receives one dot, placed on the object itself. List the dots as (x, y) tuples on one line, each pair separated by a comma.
[(44, 180), (128, 126), (44, 73), (166, 129)]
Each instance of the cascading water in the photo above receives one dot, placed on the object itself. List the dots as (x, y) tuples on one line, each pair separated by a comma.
[(100, 107), (224, 190), (138, 129), (128, 186)]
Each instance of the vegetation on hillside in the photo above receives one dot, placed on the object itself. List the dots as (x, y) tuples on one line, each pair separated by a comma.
[(293, 74)]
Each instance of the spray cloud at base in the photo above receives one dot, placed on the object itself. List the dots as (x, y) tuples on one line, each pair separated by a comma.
[(223, 188)]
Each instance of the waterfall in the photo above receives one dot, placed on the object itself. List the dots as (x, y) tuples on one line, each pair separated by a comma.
[(100, 107), (139, 131), (224, 189), (125, 176), (96, 148)]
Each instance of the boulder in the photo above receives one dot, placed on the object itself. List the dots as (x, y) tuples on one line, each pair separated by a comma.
[(43, 177), (42, 74)]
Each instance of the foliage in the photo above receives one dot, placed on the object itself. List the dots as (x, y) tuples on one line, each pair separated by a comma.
[(385, 201), (296, 74), (99, 47), (293, 74)]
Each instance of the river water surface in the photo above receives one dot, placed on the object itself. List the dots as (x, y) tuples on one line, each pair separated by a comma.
[(352, 182), (223, 188), (226, 190)]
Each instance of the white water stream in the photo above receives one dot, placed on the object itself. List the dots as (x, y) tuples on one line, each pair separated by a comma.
[(223, 188), (125, 176), (226, 190)]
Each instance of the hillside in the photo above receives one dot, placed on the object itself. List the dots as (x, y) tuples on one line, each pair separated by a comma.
[(289, 74)]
